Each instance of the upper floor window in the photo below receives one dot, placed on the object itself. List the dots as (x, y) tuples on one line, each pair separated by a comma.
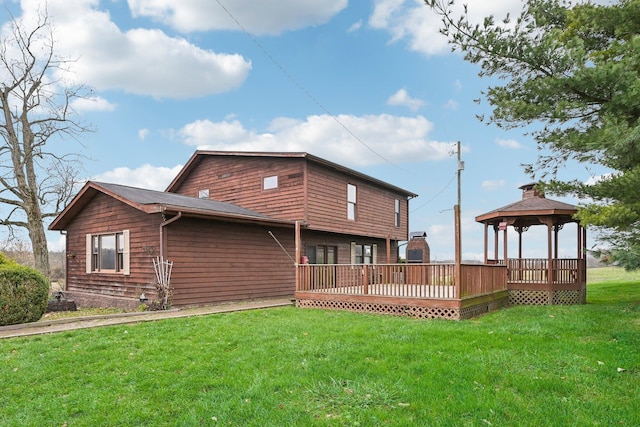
[(270, 182), (108, 253), (397, 213), (351, 201), (203, 194)]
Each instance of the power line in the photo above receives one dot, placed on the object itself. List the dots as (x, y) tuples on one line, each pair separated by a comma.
[(305, 91), (321, 106), (437, 194)]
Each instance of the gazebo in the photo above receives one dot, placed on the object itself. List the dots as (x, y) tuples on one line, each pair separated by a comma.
[(537, 281)]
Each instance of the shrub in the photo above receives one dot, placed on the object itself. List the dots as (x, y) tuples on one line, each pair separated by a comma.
[(24, 293)]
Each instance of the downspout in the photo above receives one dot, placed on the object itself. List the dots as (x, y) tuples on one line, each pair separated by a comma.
[(66, 258), (163, 224)]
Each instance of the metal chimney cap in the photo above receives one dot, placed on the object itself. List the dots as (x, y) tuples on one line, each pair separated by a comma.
[(416, 234)]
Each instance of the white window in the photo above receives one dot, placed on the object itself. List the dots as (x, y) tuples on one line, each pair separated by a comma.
[(203, 194), (351, 201), (397, 215), (270, 182), (108, 253)]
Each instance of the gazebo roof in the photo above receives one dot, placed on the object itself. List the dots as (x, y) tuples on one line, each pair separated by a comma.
[(533, 209)]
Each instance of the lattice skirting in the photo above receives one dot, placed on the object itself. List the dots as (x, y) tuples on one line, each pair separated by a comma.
[(560, 297), (402, 309)]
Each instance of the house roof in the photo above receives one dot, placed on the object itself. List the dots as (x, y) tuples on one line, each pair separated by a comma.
[(150, 201), (200, 154)]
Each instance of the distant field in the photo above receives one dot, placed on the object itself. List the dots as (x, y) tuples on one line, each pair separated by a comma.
[(606, 274)]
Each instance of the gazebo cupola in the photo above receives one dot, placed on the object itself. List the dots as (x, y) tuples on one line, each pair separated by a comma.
[(549, 280)]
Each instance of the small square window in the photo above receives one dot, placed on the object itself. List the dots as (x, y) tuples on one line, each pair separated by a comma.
[(203, 194), (270, 182)]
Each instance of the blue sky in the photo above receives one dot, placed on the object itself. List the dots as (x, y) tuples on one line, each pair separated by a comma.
[(367, 84)]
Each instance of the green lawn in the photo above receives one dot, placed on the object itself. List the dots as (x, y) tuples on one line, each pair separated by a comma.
[(577, 365)]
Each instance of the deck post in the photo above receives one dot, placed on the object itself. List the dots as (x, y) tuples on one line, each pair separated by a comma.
[(297, 254), (458, 253), (365, 279)]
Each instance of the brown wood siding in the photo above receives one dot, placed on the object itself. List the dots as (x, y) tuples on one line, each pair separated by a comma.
[(343, 244), (375, 206), (107, 215), (219, 262), (238, 180)]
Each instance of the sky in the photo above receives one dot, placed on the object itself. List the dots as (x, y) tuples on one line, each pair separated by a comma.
[(371, 85)]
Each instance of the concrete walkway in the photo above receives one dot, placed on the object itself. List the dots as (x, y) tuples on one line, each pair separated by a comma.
[(50, 326)]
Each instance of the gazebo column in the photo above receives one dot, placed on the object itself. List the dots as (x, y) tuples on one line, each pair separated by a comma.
[(486, 243), (581, 244), (506, 252), (496, 233), (549, 224)]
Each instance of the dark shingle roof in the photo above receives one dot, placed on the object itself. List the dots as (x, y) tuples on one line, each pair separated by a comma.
[(535, 204), (151, 201), (151, 197)]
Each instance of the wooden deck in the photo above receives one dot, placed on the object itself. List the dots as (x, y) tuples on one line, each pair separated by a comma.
[(418, 290), (432, 291)]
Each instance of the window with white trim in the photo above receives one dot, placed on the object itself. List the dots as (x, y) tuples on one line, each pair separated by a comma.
[(203, 193), (397, 213), (351, 201), (108, 253)]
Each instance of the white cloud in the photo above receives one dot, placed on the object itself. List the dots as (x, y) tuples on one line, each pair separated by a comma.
[(597, 178), (94, 103), (415, 23), (355, 27), (451, 105), (511, 144), (402, 98), (143, 133), (262, 17), (138, 61), (145, 176), (397, 139), (493, 185)]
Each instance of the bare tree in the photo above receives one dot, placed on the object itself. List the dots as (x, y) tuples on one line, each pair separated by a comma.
[(36, 107)]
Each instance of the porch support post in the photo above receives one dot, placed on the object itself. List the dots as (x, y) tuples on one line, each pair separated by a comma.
[(297, 254), (388, 249)]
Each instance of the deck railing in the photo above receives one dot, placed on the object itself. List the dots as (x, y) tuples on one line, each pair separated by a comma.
[(536, 271), (401, 280)]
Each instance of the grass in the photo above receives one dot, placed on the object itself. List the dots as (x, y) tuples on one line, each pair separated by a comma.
[(558, 365)]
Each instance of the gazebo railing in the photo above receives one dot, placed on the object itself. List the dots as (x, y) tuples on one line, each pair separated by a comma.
[(564, 271)]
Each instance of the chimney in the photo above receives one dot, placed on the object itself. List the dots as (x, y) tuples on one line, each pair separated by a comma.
[(529, 191)]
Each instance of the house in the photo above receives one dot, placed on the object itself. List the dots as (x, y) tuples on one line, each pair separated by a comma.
[(234, 224)]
